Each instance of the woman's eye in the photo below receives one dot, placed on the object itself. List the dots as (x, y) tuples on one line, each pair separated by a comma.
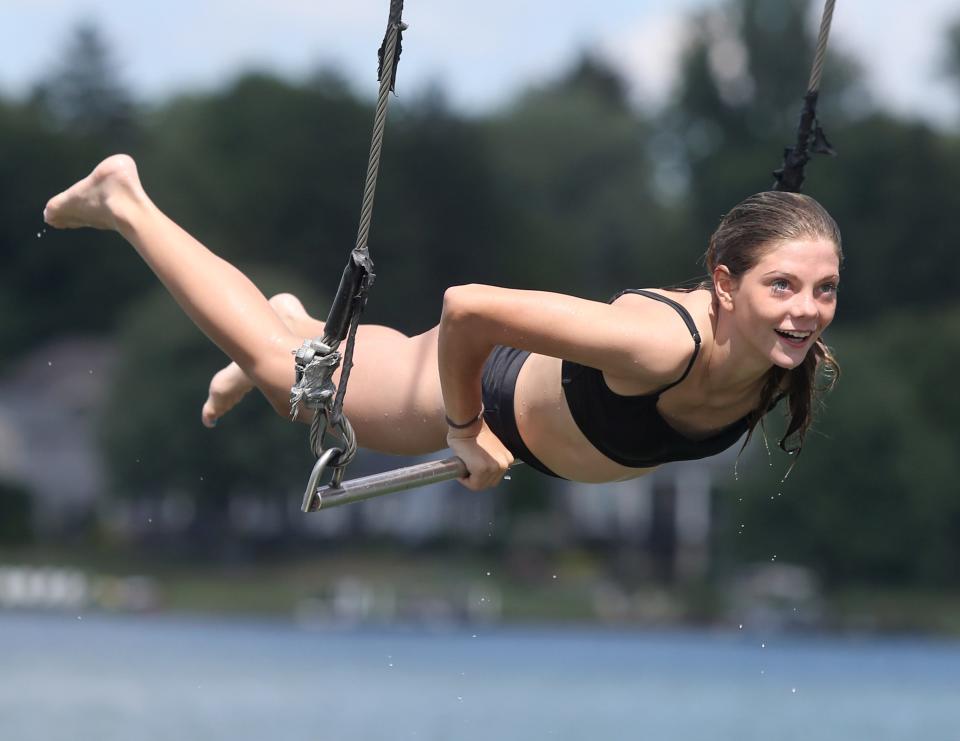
[(779, 286), (829, 288)]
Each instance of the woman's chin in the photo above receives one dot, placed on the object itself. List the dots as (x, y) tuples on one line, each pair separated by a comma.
[(787, 360)]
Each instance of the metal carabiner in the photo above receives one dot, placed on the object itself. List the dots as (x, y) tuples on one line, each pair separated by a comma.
[(318, 470)]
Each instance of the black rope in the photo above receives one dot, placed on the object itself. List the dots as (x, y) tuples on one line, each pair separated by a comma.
[(810, 135)]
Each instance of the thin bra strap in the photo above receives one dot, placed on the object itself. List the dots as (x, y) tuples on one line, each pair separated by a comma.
[(687, 319)]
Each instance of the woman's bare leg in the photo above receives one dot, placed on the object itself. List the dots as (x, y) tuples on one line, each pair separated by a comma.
[(394, 400), (230, 384)]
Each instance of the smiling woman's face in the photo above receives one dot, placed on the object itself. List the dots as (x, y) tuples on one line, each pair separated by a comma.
[(785, 301)]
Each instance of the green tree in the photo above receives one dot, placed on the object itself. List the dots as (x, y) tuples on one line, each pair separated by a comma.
[(873, 496), (952, 60), (64, 281), (574, 157), (152, 436), (84, 95), (743, 77), (16, 514)]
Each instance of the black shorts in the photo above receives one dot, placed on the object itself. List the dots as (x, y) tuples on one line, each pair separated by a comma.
[(499, 383)]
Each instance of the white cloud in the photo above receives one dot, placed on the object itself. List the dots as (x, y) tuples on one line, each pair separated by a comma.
[(648, 52), (902, 47), (481, 53)]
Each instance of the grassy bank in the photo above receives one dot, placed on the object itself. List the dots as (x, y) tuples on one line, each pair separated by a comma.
[(383, 585)]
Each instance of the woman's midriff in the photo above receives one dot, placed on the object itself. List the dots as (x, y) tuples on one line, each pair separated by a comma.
[(548, 428)]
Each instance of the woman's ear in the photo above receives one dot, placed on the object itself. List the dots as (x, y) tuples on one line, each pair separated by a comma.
[(725, 286)]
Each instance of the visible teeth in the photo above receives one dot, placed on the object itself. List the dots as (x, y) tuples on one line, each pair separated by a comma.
[(794, 335)]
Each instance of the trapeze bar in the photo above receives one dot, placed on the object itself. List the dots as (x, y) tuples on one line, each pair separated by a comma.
[(388, 482)]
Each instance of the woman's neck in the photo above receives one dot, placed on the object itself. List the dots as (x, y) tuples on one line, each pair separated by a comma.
[(731, 367)]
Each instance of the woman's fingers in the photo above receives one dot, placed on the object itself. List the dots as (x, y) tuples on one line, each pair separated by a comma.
[(485, 457)]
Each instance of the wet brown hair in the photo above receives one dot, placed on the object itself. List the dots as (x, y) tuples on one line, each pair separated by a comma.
[(745, 234)]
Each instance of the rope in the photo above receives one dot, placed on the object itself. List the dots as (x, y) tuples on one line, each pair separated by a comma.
[(790, 176), (317, 360), (817, 72), (389, 53)]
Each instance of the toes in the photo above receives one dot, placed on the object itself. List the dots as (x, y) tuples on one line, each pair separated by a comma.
[(208, 415), (50, 212), (288, 306)]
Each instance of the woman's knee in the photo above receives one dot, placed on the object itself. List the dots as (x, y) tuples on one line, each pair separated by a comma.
[(287, 306)]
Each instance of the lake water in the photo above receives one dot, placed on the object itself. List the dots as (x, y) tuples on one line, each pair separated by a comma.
[(151, 678)]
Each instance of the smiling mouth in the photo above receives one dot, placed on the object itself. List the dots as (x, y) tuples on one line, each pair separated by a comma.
[(794, 338)]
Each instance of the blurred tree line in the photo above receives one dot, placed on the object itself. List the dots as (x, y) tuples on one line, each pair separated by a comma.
[(571, 187)]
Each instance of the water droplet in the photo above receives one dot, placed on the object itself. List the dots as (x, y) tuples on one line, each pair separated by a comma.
[(488, 573), (794, 690), (741, 626), (474, 635), (460, 698), (554, 576), (79, 617), (506, 477), (390, 664), (91, 371), (763, 645), (150, 520), (50, 363)]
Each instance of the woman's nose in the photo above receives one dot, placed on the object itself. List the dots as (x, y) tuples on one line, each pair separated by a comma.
[(805, 306)]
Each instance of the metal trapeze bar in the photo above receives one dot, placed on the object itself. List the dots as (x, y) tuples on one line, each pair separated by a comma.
[(378, 484), (387, 482)]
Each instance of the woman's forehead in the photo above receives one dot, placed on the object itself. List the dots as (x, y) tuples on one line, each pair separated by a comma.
[(801, 256)]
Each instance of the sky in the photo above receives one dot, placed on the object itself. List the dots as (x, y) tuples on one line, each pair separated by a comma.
[(480, 54)]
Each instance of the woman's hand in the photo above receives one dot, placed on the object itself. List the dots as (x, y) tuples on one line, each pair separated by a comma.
[(486, 458)]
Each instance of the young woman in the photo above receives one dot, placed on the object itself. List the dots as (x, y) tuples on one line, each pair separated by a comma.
[(578, 389)]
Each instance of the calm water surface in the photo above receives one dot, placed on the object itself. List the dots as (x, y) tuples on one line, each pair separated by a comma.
[(147, 678)]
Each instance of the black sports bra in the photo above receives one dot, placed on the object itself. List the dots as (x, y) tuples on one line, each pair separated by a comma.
[(629, 429)]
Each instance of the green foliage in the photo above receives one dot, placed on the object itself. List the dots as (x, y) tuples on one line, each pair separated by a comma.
[(84, 94), (573, 157), (76, 116), (742, 81), (873, 497), (152, 433), (952, 62), (895, 192), (16, 514), (568, 188)]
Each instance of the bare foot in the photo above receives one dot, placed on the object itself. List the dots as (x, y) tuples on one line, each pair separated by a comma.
[(98, 200), (230, 384)]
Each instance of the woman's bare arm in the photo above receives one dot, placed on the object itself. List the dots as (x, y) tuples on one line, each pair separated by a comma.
[(643, 343), (626, 342)]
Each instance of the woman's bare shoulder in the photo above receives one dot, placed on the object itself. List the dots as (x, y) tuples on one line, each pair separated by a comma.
[(635, 338), (665, 342)]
